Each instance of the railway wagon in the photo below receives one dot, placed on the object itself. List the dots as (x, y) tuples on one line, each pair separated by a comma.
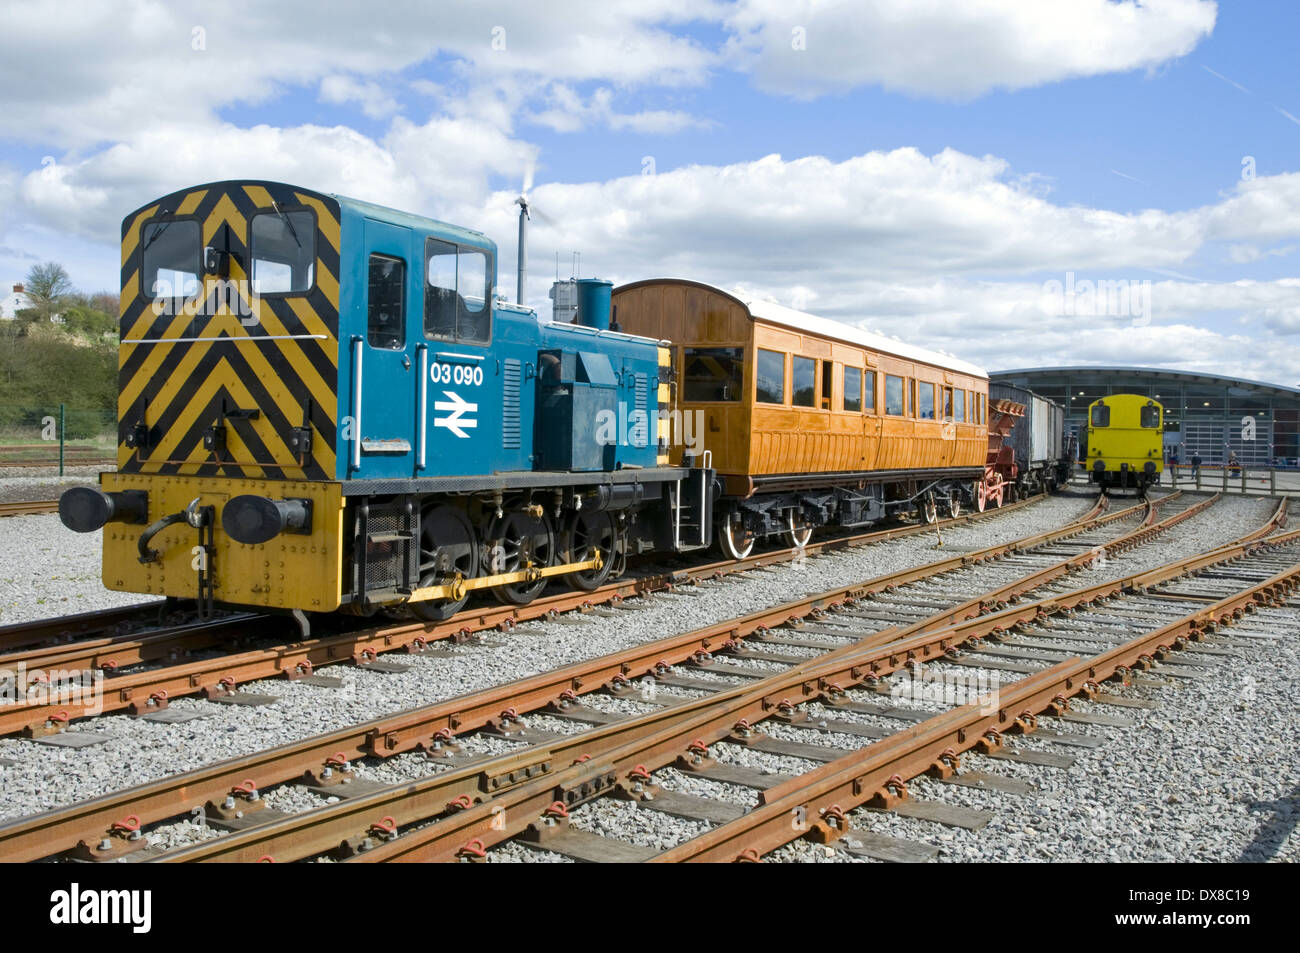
[(324, 406), (810, 422), (1041, 458), (1125, 442)]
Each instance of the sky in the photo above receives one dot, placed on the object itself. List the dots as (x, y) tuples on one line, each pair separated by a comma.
[(1018, 183)]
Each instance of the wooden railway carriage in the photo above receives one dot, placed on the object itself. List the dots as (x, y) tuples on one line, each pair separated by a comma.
[(809, 421)]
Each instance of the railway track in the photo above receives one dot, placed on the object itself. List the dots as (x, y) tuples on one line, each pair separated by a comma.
[(119, 649), (108, 624), (323, 760), (29, 508), (621, 759)]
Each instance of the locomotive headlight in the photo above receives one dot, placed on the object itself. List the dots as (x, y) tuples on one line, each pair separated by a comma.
[(256, 519), (86, 509)]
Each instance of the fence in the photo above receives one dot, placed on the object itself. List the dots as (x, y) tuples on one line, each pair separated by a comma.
[(58, 436), (1230, 479)]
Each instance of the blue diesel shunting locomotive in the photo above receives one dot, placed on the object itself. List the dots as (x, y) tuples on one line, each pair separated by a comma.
[(324, 406)]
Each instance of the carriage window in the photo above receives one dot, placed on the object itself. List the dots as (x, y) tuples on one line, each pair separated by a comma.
[(947, 403), (457, 297), (894, 396), (869, 391), (171, 259), (1150, 416), (804, 377), (925, 407), (1101, 416), (853, 388), (283, 251), (387, 302), (770, 377), (959, 405), (712, 373)]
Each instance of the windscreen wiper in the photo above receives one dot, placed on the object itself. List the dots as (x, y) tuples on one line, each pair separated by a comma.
[(285, 218)]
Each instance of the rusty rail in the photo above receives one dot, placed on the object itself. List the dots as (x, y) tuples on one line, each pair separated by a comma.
[(224, 674), (29, 508), (855, 779), (310, 833), (62, 828)]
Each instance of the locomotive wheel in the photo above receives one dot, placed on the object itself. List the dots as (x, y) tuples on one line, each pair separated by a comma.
[(518, 541), (734, 539), (585, 535), (448, 545), (799, 531)]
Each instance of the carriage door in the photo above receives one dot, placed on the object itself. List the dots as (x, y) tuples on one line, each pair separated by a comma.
[(383, 363)]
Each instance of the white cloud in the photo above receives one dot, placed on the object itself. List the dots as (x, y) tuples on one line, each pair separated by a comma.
[(956, 50), (91, 71), (567, 112), (421, 168), (374, 100)]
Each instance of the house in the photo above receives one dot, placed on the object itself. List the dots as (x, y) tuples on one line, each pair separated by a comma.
[(14, 302)]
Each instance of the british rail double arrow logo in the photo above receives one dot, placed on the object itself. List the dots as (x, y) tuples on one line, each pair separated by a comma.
[(456, 422)]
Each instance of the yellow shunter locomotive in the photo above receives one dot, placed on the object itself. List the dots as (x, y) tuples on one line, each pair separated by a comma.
[(1125, 441)]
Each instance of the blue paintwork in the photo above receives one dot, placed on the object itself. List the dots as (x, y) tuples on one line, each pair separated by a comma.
[(390, 409)]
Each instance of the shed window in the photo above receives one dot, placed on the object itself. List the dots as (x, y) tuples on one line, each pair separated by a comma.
[(1100, 415), (959, 405), (853, 388), (804, 377), (283, 251), (894, 396), (770, 377), (712, 373), (386, 323)]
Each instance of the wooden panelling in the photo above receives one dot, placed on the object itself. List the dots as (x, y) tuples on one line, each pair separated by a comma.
[(766, 439)]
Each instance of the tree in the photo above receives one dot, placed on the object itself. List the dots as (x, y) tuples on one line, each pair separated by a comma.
[(47, 286)]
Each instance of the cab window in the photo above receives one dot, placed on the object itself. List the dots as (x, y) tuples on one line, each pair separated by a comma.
[(386, 306), (171, 259), (894, 396), (283, 251), (1150, 416), (1101, 416), (457, 295), (769, 376)]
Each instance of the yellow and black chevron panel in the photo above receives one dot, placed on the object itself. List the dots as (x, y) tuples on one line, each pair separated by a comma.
[(262, 369)]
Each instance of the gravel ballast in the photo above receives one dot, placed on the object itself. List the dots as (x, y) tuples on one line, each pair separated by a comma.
[(139, 751)]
